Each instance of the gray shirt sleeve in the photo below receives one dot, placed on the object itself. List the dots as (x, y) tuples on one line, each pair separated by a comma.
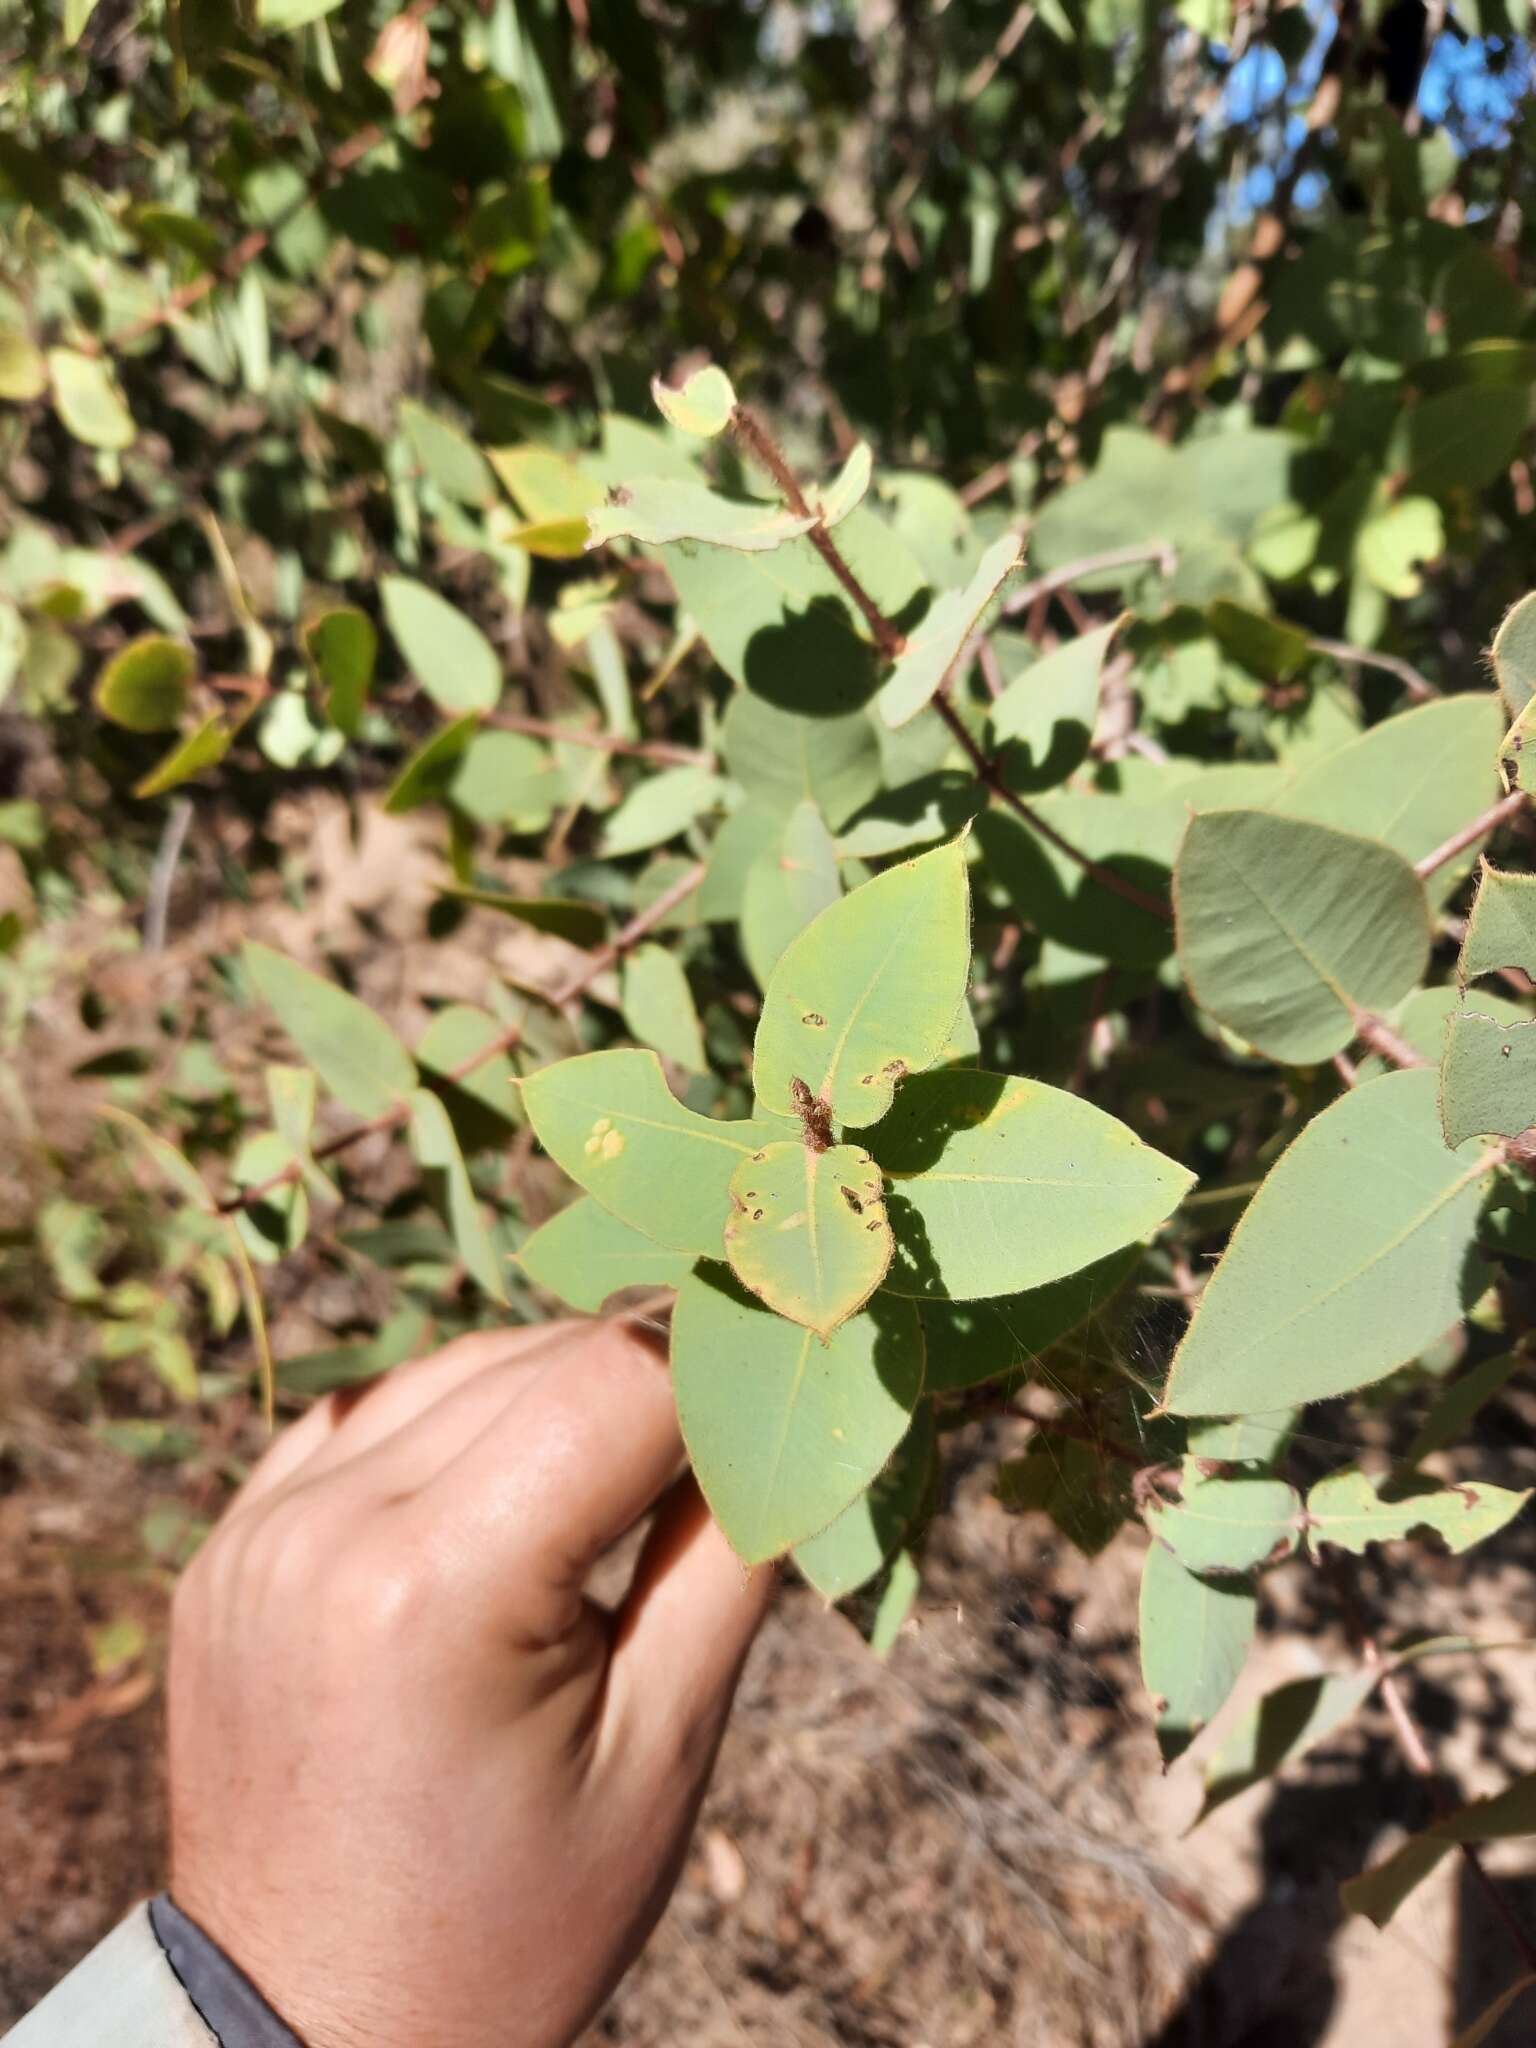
[(227, 2000)]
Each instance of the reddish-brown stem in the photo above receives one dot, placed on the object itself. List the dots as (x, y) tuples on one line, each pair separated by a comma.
[(1418, 687), (1376, 1033), (1496, 814), (760, 445), (1160, 551), (391, 1119)]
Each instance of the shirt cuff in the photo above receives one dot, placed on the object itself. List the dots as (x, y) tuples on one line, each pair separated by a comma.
[(226, 2000)]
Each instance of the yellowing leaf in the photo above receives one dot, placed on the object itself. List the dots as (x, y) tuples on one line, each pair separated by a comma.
[(89, 400), (702, 405), (144, 687), (808, 1232)]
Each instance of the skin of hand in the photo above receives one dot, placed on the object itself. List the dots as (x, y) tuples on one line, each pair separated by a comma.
[(423, 1789)]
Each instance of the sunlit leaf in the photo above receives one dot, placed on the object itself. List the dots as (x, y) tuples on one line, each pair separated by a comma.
[(660, 509), (89, 400), (659, 1010), (1487, 1077), (1195, 1637), (1280, 1728), (935, 646), (808, 1232), (1351, 1510), (851, 1551), (701, 405), (436, 1151), (584, 1255), (454, 662), (358, 1058), (145, 686)]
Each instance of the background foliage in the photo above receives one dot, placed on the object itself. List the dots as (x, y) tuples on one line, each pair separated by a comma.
[(1194, 350)]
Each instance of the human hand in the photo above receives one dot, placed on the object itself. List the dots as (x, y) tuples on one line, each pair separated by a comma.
[(422, 1789)]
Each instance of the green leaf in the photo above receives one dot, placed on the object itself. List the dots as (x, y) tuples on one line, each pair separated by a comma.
[(23, 370), (1501, 932), (833, 502), (660, 509), (869, 991), (852, 1550), (428, 775), (1446, 1423), (484, 1103), (1195, 1637), (287, 15), (1001, 1184), (1410, 781), (1487, 1077), (784, 1431), (893, 1607), (970, 1342), (1378, 1893), (566, 916), (1351, 1510), (1252, 1440), (342, 646), (144, 687), (1286, 929), (935, 646), (204, 747), (1138, 840), (808, 1232), (1071, 1482), (278, 1223), (782, 760), (610, 1121), (584, 1255), (1462, 439), (1048, 713), (448, 457), (786, 889), (701, 405), (1280, 1728), (507, 779), (454, 662), (659, 808), (89, 400), (547, 485), (1517, 753), (1355, 1254), (1222, 1524), (358, 1058), (1514, 655), (658, 1008), (436, 1151), (1394, 542)]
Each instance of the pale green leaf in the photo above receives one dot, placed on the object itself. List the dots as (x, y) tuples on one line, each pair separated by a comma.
[(1379, 1892), (1514, 655), (1280, 1728), (146, 685), (286, 15), (486, 1101), (893, 1608), (658, 1007), (89, 400), (701, 405), (204, 747), (935, 646), (1501, 932), (1395, 541), (852, 1550), (1487, 1077), (808, 1232), (1000, 1184), (454, 662), (358, 1058), (1048, 713), (783, 760), (436, 1151), (784, 1431), (507, 779), (1286, 929), (584, 1255), (1356, 1253), (610, 1121), (659, 808), (1195, 1637), (869, 991), (342, 646), (661, 509), (447, 456), (833, 502), (1351, 1510), (1227, 1524), (786, 889), (23, 369), (278, 1222)]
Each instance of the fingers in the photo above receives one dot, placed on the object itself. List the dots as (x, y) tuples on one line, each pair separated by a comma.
[(685, 1629), (527, 1506), (351, 1421)]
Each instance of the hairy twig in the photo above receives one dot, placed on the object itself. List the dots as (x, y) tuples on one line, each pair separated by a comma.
[(1376, 1033), (391, 1119), (1496, 814), (1418, 687)]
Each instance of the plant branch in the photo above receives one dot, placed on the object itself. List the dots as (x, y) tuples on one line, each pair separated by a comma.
[(660, 751), (1163, 552), (1376, 1033), (576, 984), (1418, 687), (1496, 814), (763, 449)]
